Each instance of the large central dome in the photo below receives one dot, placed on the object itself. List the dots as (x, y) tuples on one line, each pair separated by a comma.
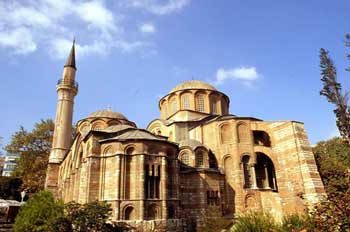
[(193, 84), (106, 114)]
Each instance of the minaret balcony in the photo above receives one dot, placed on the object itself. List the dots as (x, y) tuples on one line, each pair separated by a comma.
[(68, 83)]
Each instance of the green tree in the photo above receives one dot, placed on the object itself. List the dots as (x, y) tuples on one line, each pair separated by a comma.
[(332, 90), (333, 161), (33, 149), (88, 217), (39, 213)]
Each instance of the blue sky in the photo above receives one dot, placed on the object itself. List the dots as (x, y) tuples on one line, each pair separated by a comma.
[(262, 54)]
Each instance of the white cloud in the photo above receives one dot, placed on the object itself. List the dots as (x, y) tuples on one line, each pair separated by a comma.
[(97, 16), (147, 28), (20, 40), (246, 74), (27, 25), (159, 7)]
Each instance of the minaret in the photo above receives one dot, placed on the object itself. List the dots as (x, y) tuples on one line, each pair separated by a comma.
[(66, 88)]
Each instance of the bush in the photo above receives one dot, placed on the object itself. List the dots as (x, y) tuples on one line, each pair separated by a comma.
[(89, 217), (213, 221), (39, 213), (296, 223), (255, 222)]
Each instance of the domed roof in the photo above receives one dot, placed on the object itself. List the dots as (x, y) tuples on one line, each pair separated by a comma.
[(193, 84), (106, 114)]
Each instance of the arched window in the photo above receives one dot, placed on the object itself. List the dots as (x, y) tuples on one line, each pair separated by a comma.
[(165, 110), (213, 163), (214, 104), (199, 158), (261, 138), (128, 162), (129, 213), (185, 159), (225, 133), (97, 126), (224, 106), (265, 172), (246, 171), (243, 133), (152, 181), (186, 101), (200, 103), (173, 105)]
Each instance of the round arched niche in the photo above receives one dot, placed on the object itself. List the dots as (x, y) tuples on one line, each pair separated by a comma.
[(129, 213)]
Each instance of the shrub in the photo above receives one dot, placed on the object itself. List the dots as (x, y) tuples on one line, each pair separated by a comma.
[(39, 213), (296, 223), (255, 222), (88, 217), (213, 221)]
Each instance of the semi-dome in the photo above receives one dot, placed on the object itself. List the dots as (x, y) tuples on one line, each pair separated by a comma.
[(193, 84), (106, 114)]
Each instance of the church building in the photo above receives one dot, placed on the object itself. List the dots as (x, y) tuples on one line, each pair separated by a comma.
[(195, 157)]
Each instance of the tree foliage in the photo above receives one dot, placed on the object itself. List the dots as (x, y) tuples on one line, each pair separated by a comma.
[(88, 217), (43, 213), (39, 213), (332, 90), (33, 148), (333, 161)]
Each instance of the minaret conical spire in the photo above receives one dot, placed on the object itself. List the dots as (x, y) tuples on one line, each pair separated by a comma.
[(71, 58)]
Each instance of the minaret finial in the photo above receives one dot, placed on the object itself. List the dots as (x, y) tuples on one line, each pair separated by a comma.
[(71, 58)]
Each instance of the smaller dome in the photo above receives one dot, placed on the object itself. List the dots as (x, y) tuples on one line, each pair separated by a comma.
[(193, 84), (106, 114)]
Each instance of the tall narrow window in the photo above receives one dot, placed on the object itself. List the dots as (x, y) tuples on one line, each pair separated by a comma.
[(243, 133), (246, 172), (214, 108), (213, 104), (225, 133), (173, 106), (152, 181), (127, 176), (165, 111), (185, 159), (199, 159), (200, 103), (186, 102)]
